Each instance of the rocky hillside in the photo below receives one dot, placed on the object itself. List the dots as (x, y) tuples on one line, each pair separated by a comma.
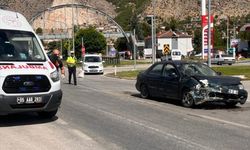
[(31, 7), (163, 8), (183, 8)]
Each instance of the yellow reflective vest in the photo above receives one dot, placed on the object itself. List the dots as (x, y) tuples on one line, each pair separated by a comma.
[(71, 61)]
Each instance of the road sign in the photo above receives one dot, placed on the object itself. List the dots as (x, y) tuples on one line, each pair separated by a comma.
[(166, 49)]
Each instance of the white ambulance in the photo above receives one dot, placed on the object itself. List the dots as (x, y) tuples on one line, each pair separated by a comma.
[(29, 82)]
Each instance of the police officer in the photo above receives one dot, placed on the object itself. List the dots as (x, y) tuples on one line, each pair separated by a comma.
[(71, 63)]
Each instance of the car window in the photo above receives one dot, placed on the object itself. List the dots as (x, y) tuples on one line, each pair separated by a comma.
[(169, 70), (156, 70), (191, 69), (93, 59)]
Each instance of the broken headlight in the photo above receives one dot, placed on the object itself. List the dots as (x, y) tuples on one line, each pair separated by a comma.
[(241, 87), (198, 86), (204, 82)]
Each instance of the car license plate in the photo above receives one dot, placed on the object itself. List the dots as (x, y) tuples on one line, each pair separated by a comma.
[(29, 100), (231, 91), (93, 70)]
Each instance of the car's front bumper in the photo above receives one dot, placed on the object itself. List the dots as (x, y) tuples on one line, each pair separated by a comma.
[(20, 103), (209, 94), (96, 70)]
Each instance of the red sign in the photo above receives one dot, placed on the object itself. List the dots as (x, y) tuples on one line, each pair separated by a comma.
[(83, 50), (204, 20)]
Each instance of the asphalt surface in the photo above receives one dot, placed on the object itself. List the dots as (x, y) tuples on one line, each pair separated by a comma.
[(108, 113), (111, 112)]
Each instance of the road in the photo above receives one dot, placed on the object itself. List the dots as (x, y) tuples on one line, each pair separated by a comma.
[(107, 113)]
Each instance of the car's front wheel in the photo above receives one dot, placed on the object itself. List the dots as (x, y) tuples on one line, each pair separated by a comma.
[(187, 99), (144, 91)]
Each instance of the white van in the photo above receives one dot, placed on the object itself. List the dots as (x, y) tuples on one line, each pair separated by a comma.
[(92, 63), (29, 81)]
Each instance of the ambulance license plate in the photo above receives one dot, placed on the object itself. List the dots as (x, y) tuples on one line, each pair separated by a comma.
[(29, 100)]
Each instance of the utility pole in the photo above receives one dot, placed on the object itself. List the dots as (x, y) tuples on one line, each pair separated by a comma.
[(134, 48), (153, 33), (152, 37), (227, 32), (73, 28), (209, 33)]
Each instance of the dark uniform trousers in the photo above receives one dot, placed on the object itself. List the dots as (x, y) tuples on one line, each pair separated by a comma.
[(72, 71)]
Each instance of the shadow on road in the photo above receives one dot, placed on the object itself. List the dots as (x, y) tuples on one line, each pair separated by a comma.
[(205, 106), (23, 119)]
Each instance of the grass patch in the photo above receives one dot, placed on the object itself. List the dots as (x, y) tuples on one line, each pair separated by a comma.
[(234, 70), (225, 70), (129, 63), (131, 75)]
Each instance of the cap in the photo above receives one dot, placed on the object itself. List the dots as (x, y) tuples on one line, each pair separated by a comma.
[(72, 52)]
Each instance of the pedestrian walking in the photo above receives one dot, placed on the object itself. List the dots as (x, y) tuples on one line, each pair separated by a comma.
[(71, 63), (55, 59)]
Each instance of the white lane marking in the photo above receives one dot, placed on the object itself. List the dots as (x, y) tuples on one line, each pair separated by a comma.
[(221, 121), (81, 134), (189, 143), (60, 121)]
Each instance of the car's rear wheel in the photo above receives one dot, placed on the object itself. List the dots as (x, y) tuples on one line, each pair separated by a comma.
[(187, 99), (47, 114), (144, 91)]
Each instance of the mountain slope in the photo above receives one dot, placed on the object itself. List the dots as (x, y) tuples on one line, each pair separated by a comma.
[(183, 8)]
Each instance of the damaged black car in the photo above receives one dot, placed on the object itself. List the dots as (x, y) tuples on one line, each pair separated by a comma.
[(192, 83)]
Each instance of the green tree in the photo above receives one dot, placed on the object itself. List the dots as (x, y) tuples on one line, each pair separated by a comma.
[(93, 40), (53, 45), (39, 30), (172, 24), (218, 41), (245, 35), (121, 44), (197, 40)]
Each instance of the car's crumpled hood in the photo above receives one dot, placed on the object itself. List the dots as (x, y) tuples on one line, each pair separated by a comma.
[(220, 80)]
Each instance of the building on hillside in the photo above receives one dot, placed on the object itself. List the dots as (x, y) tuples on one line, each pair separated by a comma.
[(174, 40)]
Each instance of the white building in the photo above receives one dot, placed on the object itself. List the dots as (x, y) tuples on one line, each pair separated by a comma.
[(174, 40)]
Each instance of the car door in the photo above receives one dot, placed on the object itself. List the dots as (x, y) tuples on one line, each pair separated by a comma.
[(154, 79), (171, 81)]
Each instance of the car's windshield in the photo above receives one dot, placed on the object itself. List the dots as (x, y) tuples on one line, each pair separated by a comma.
[(198, 69), (92, 59), (19, 46)]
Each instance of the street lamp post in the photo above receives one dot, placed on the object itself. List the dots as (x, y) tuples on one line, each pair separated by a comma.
[(209, 33), (227, 32), (73, 32), (153, 33), (152, 37)]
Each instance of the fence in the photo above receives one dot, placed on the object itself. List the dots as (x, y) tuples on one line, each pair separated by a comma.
[(111, 60)]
